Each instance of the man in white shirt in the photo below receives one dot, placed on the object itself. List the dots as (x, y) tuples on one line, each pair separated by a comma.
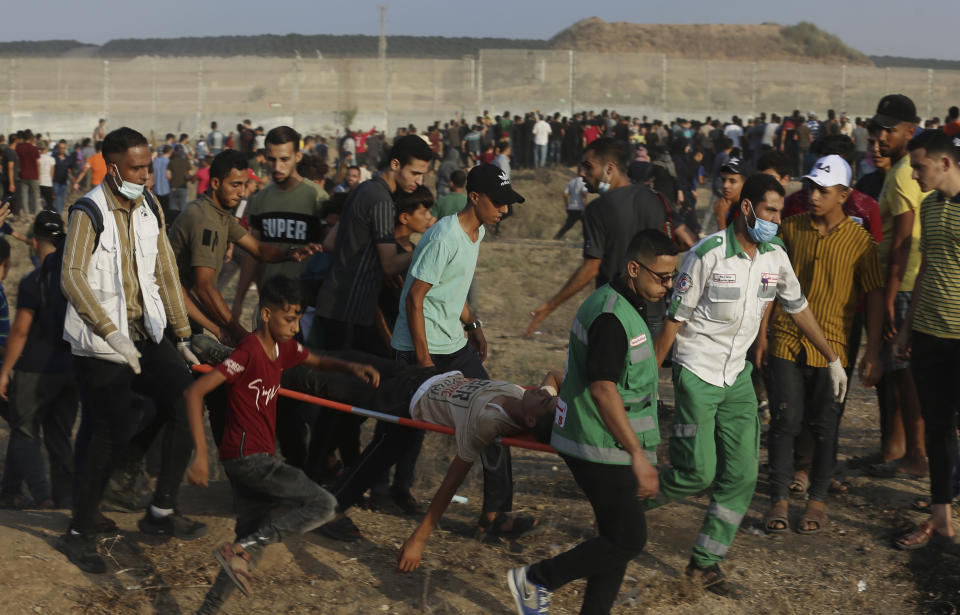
[(726, 283), (541, 138), (734, 131), (45, 176)]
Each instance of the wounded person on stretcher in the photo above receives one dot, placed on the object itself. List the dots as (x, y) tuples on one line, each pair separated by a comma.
[(480, 411)]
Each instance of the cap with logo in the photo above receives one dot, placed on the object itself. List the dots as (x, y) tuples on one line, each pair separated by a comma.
[(488, 179), (893, 109), (733, 165), (829, 171), (48, 224)]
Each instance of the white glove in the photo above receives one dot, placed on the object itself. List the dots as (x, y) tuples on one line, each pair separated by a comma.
[(184, 348), (122, 344), (838, 378)]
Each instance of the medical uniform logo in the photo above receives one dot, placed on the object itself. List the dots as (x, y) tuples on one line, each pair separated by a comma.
[(769, 279), (561, 416), (684, 282), (725, 278), (638, 340)]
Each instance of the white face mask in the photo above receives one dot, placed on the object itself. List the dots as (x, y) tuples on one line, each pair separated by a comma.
[(603, 186), (129, 190)]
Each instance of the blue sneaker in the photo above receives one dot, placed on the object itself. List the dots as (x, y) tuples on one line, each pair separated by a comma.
[(530, 597)]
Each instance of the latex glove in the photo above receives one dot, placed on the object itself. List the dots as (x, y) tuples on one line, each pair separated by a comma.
[(184, 349), (838, 378), (122, 344)]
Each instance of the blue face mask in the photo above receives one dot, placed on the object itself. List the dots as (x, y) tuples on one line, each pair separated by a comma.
[(762, 231)]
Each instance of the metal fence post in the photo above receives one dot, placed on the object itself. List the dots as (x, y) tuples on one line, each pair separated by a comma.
[(843, 88), (106, 89), (480, 80), (663, 82), (753, 90), (200, 95), (571, 80), (929, 93)]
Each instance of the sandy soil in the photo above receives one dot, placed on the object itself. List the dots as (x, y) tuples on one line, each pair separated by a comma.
[(849, 568)]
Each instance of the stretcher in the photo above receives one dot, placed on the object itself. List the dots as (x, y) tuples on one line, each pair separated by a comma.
[(526, 441)]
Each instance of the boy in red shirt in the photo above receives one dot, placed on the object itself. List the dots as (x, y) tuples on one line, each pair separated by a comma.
[(261, 481)]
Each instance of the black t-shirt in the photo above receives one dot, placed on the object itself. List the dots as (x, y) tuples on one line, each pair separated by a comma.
[(7, 155), (610, 222), (608, 340), (62, 168), (871, 184), (389, 299), (45, 351)]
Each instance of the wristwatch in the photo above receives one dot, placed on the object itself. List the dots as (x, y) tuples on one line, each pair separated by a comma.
[(473, 325)]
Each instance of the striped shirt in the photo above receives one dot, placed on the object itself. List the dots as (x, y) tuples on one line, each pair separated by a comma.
[(938, 308), (834, 270), (76, 258)]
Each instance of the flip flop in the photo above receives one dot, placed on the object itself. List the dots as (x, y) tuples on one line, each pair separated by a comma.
[(772, 517), (891, 469), (799, 484), (813, 515), (236, 564), (522, 526)]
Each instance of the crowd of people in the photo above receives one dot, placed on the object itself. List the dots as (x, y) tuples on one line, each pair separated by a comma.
[(365, 279)]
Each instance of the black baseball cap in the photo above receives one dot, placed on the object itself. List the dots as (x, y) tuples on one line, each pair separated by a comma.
[(488, 179), (733, 165), (48, 224), (893, 109)]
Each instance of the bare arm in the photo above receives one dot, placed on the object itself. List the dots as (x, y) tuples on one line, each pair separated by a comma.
[(897, 264), (411, 552), (584, 274), (685, 237), (213, 304), (415, 321), (391, 262), (324, 363), (269, 253), (199, 471), (249, 272), (870, 367), (666, 338)]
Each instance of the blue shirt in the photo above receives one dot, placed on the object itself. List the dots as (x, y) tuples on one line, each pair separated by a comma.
[(161, 185)]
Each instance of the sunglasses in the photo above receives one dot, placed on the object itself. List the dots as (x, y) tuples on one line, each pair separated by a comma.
[(665, 278)]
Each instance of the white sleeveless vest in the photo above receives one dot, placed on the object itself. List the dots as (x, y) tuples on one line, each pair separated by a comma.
[(104, 275)]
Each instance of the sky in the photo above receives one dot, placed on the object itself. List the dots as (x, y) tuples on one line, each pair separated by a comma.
[(880, 27)]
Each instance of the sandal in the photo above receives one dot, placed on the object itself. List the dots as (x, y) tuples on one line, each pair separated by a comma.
[(777, 514), (925, 534), (522, 526), (922, 504), (838, 486), (713, 579), (343, 529), (893, 469), (236, 563), (816, 516), (800, 483)]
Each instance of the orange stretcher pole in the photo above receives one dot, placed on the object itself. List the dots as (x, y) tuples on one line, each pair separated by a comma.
[(526, 442)]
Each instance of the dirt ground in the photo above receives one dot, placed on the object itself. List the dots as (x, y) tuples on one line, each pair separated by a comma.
[(849, 568)]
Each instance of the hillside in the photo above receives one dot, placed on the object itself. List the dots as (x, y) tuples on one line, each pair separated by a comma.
[(803, 42)]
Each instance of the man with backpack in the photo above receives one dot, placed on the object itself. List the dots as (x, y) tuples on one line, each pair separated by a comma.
[(120, 281)]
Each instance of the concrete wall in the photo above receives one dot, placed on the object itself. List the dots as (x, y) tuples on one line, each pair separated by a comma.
[(65, 97)]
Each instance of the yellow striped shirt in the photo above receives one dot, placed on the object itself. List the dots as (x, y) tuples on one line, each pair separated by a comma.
[(76, 256), (938, 307), (834, 271)]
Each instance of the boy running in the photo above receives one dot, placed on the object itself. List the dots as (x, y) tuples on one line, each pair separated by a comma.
[(260, 481)]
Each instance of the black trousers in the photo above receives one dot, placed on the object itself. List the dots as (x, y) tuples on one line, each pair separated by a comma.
[(106, 389), (622, 534), (935, 362), (573, 216), (800, 397)]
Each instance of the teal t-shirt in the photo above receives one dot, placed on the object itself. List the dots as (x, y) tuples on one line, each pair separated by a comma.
[(451, 203), (445, 258)]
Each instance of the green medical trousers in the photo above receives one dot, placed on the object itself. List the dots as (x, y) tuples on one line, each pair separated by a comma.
[(715, 440)]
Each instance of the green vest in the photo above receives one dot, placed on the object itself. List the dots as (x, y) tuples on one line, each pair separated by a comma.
[(578, 429)]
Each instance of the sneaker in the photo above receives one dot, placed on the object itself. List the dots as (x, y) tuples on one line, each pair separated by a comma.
[(209, 350), (82, 551), (530, 597), (174, 524), (104, 525), (343, 529), (405, 500)]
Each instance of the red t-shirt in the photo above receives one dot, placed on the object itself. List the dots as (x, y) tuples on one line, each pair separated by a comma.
[(203, 179), (590, 134), (29, 155), (861, 207), (253, 381)]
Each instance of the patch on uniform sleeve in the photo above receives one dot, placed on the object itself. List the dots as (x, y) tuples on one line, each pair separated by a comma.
[(684, 282), (638, 340)]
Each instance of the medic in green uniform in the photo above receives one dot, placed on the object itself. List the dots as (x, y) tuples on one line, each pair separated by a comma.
[(726, 283), (606, 430)]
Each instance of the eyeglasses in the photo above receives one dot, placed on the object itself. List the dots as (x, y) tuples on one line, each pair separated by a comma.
[(665, 278)]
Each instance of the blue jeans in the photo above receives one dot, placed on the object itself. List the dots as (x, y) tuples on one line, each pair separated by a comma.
[(553, 152), (178, 199), (539, 155), (59, 196)]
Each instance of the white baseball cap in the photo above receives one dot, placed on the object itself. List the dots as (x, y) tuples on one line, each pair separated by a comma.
[(829, 171)]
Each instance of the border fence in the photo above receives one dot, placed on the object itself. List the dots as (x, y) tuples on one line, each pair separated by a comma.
[(65, 96)]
